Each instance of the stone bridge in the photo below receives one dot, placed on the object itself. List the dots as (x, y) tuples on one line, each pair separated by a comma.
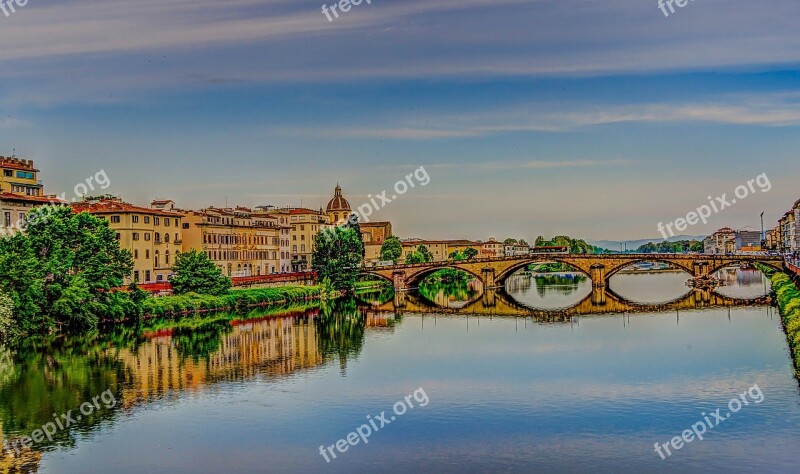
[(493, 272), (601, 301)]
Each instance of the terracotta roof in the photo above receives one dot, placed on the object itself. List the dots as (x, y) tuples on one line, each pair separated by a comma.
[(107, 206), (434, 242), (26, 198), (374, 224)]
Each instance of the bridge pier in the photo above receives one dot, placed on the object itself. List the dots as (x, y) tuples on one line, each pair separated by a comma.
[(700, 269), (399, 299), (598, 274), (489, 298), (399, 281), (599, 296), (488, 278)]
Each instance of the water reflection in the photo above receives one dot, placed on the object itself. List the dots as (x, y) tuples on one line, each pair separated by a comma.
[(742, 283), (454, 293), (651, 287), (548, 291)]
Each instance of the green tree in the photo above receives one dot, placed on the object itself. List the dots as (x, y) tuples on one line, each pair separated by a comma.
[(510, 241), (456, 256), (392, 249), (427, 256), (6, 314), (337, 256), (195, 272), (470, 253), (352, 223), (62, 271)]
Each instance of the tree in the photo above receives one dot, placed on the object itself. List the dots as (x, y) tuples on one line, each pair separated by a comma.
[(6, 314), (427, 256), (510, 241), (337, 256), (195, 272), (470, 253), (63, 270), (392, 249), (523, 242), (415, 257), (456, 256), (352, 223)]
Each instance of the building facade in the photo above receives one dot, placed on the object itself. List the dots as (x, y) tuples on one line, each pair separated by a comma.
[(338, 208), (240, 242), (747, 241), (304, 225), (153, 236), (18, 176), (790, 229)]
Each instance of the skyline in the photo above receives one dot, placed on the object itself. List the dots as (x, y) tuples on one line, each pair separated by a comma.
[(532, 118)]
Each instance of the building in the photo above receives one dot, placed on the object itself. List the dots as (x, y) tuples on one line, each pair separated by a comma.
[(14, 208), (709, 245), (304, 226), (338, 208), (153, 236), (19, 177), (747, 240), (724, 241), (773, 238), (516, 250), (790, 229), (440, 249), (492, 249), (240, 242), (373, 234)]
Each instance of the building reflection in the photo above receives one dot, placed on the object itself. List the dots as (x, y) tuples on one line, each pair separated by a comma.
[(271, 346)]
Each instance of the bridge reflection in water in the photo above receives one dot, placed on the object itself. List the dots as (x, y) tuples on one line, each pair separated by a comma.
[(496, 302)]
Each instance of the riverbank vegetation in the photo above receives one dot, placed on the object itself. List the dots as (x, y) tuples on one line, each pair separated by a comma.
[(681, 246), (788, 300)]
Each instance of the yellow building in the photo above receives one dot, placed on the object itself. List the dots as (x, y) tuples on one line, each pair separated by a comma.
[(305, 225), (492, 249), (240, 242), (19, 177), (153, 236)]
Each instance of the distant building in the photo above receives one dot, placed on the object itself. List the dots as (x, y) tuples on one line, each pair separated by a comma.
[(492, 249), (516, 250), (153, 236), (19, 177), (240, 242), (709, 246), (773, 238), (790, 229), (338, 208), (747, 241), (304, 227)]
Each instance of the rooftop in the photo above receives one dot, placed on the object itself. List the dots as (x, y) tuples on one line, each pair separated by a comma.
[(115, 206)]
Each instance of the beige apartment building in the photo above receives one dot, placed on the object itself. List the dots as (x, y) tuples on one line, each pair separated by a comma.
[(153, 236), (304, 226), (241, 242)]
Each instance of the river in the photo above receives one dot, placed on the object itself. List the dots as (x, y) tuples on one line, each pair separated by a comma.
[(483, 387)]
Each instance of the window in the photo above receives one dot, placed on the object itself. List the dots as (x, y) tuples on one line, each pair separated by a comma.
[(8, 173), (24, 175), (8, 219), (147, 237), (166, 222), (136, 253), (166, 237), (166, 258), (146, 219), (147, 275), (186, 225), (115, 219), (135, 219), (135, 236), (156, 221), (136, 276), (147, 254)]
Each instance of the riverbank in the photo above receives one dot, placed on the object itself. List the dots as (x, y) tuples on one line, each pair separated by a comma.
[(234, 300), (788, 299)]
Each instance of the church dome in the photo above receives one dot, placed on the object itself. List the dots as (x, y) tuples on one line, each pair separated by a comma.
[(338, 203)]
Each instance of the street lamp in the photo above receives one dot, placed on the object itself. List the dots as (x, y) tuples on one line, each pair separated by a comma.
[(763, 237)]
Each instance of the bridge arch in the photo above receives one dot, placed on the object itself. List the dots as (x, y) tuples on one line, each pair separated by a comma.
[(503, 276), (610, 272), (413, 279), (376, 275), (716, 266)]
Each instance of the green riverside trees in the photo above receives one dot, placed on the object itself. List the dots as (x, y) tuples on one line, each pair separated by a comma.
[(196, 273), (61, 271), (337, 256)]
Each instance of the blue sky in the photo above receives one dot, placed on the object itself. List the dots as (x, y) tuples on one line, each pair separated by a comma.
[(596, 119)]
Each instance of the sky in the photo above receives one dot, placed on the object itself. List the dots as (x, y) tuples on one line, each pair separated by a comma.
[(595, 119)]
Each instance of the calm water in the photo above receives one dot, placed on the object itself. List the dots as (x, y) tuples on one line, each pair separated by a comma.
[(592, 393)]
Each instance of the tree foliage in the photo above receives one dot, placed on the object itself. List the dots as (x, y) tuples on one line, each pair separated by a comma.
[(421, 255), (196, 273), (681, 246), (470, 253), (337, 256), (61, 272), (392, 249)]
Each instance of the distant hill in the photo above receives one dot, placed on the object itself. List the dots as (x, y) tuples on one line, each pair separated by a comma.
[(635, 244)]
